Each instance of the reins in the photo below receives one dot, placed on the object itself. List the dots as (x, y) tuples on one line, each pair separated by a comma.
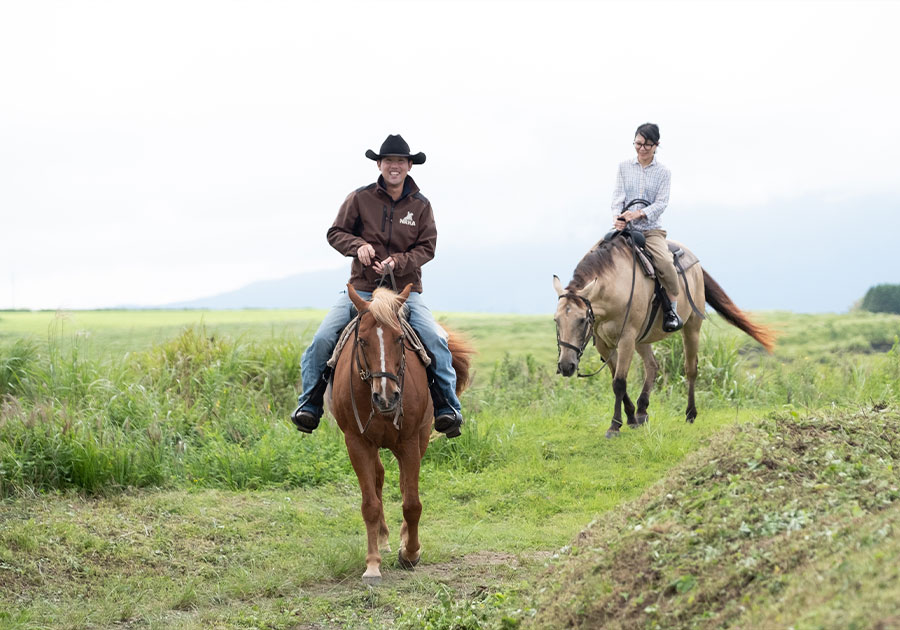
[(389, 272), (366, 375)]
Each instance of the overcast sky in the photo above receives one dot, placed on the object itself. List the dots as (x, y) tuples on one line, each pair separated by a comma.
[(159, 151)]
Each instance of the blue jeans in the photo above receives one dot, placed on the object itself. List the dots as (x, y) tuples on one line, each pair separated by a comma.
[(312, 364)]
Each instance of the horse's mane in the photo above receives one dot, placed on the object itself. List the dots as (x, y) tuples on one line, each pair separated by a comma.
[(384, 306), (597, 262)]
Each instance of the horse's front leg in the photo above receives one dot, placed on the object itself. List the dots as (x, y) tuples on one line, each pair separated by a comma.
[(651, 368), (409, 460), (383, 533), (627, 405), (365, 461), (624, 352), (610, 357)]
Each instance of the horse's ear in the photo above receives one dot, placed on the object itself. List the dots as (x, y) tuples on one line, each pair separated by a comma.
[(558, 285), (358, 302), (586, 291), (404, 294)]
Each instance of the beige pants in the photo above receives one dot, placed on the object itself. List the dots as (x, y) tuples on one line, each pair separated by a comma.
[(662, 261)]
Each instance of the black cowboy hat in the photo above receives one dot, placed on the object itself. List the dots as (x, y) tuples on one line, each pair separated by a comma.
[(396, 146)]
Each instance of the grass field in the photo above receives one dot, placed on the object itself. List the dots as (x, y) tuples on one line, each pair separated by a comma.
[(150, 479)]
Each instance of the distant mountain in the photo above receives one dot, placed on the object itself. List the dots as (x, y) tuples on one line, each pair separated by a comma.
[(513, 279), (316, 289)]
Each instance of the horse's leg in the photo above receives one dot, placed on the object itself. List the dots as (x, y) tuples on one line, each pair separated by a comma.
[(624, 353), (691, 336), (629, 408), (627, 404), (383, 534), (409, 459), (610, 356), (651, 368), (365, 461)]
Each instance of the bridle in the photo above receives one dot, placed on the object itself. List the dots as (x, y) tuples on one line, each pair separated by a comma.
[(367, 376), (588, 326)]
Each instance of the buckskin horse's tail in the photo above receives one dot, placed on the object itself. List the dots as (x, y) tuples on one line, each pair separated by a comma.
[(719, 300), (461, 351)]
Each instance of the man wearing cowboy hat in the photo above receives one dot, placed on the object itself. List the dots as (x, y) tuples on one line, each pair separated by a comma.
[(385, 226)]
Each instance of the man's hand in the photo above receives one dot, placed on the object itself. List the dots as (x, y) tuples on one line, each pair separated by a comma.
[(366, 254), (382, 266)]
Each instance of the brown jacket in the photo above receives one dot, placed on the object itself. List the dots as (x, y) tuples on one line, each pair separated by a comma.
[(403, 229)]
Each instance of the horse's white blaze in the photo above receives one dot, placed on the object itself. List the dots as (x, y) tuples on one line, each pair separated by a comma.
[(380, 332)]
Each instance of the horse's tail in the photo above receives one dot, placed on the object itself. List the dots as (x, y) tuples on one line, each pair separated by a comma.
[(719, 300), (461, 350)]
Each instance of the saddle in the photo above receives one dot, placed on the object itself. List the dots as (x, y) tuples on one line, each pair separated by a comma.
[(682, 258), (412, 339)]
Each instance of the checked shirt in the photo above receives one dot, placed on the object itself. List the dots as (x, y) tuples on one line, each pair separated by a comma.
[(636, 182)]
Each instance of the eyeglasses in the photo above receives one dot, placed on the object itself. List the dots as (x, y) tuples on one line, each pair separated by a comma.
[(643, 145)]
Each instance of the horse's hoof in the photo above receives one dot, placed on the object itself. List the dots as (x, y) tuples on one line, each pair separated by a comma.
[(612, 433), (404, 563), (641, 420), (371, 580)]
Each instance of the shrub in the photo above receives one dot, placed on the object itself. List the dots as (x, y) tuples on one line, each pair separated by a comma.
[(882, 298)]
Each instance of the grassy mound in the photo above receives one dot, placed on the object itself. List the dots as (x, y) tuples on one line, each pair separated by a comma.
[(788, 522)]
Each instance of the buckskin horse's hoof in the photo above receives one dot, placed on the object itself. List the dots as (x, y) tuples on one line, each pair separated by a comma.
[(612, 433), (406, 564)]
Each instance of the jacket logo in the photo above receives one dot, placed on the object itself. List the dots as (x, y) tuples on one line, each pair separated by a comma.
[(408, 220)]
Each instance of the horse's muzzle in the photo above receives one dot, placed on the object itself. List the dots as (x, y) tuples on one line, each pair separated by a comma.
[(566, 368), (386, 405)]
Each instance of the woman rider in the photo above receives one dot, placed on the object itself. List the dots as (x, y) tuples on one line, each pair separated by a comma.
[(643, 177)]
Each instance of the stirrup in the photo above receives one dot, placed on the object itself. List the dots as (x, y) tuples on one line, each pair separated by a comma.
[(449, 423), (671, 322), (305, 421)]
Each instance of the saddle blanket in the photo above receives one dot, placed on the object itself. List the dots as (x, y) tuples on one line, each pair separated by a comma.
[(412, 341), (684, 259)]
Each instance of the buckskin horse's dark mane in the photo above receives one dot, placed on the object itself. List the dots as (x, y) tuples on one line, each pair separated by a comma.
[(596, 262)]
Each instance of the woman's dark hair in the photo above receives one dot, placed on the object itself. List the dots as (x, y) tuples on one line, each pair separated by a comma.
[(649, 131)]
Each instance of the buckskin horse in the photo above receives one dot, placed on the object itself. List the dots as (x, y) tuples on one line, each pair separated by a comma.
[(610, 299), (380, 399)]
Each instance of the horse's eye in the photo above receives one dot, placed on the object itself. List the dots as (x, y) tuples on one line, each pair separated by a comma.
[(363, 342)]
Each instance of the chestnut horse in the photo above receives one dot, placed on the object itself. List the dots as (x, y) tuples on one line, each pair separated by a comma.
[(610, 301), (379, 396)]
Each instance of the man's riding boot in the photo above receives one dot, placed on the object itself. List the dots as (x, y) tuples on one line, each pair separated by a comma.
[(447, 420), (671, 321), (306, 420)]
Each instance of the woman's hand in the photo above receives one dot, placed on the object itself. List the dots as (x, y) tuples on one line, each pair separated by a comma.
[(627, 217)]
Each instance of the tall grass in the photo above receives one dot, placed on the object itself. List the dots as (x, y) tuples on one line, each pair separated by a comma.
[(209, 410), (194, 410)]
